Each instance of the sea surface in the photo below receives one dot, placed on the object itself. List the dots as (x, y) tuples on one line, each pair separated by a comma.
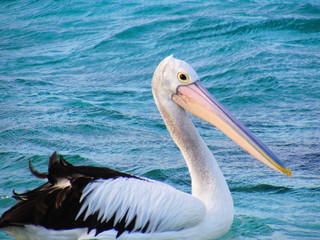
[(75, 77)]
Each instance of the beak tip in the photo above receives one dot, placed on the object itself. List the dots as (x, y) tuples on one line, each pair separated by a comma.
[(287, 171)]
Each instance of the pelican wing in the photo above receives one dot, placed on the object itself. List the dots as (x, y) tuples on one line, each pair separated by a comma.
[(102, 199), (140, 205)]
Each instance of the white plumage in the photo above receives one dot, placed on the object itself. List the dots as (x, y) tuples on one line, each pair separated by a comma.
[(164, 207)]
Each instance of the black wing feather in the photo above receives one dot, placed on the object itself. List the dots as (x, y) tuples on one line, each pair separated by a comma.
[(55, 207)]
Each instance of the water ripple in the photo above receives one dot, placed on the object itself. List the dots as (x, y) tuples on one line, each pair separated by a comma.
[(75, 77)]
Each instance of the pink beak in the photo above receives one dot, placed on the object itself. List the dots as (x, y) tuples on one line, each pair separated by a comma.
[(197, 100)]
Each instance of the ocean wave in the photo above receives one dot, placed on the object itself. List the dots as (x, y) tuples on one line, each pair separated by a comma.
[(261, 188), (209, 28)]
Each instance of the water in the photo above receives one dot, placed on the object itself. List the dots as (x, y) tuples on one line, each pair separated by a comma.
[(75, 77)]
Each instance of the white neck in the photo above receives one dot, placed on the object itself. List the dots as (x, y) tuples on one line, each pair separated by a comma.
[(208, 183)]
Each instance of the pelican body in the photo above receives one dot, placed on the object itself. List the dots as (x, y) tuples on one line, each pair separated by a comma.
[(82, 202)]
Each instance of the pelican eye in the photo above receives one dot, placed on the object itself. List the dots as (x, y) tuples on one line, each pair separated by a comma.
[(183, 77)]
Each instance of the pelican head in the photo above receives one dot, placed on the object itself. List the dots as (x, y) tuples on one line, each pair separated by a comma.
[(176, 82)]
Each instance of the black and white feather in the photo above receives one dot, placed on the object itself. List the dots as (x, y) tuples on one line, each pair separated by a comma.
[(101, 199)]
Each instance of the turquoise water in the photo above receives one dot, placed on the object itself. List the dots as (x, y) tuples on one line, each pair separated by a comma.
[(75, 78)]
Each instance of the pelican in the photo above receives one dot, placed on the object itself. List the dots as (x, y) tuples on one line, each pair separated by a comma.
[(83, 202)]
